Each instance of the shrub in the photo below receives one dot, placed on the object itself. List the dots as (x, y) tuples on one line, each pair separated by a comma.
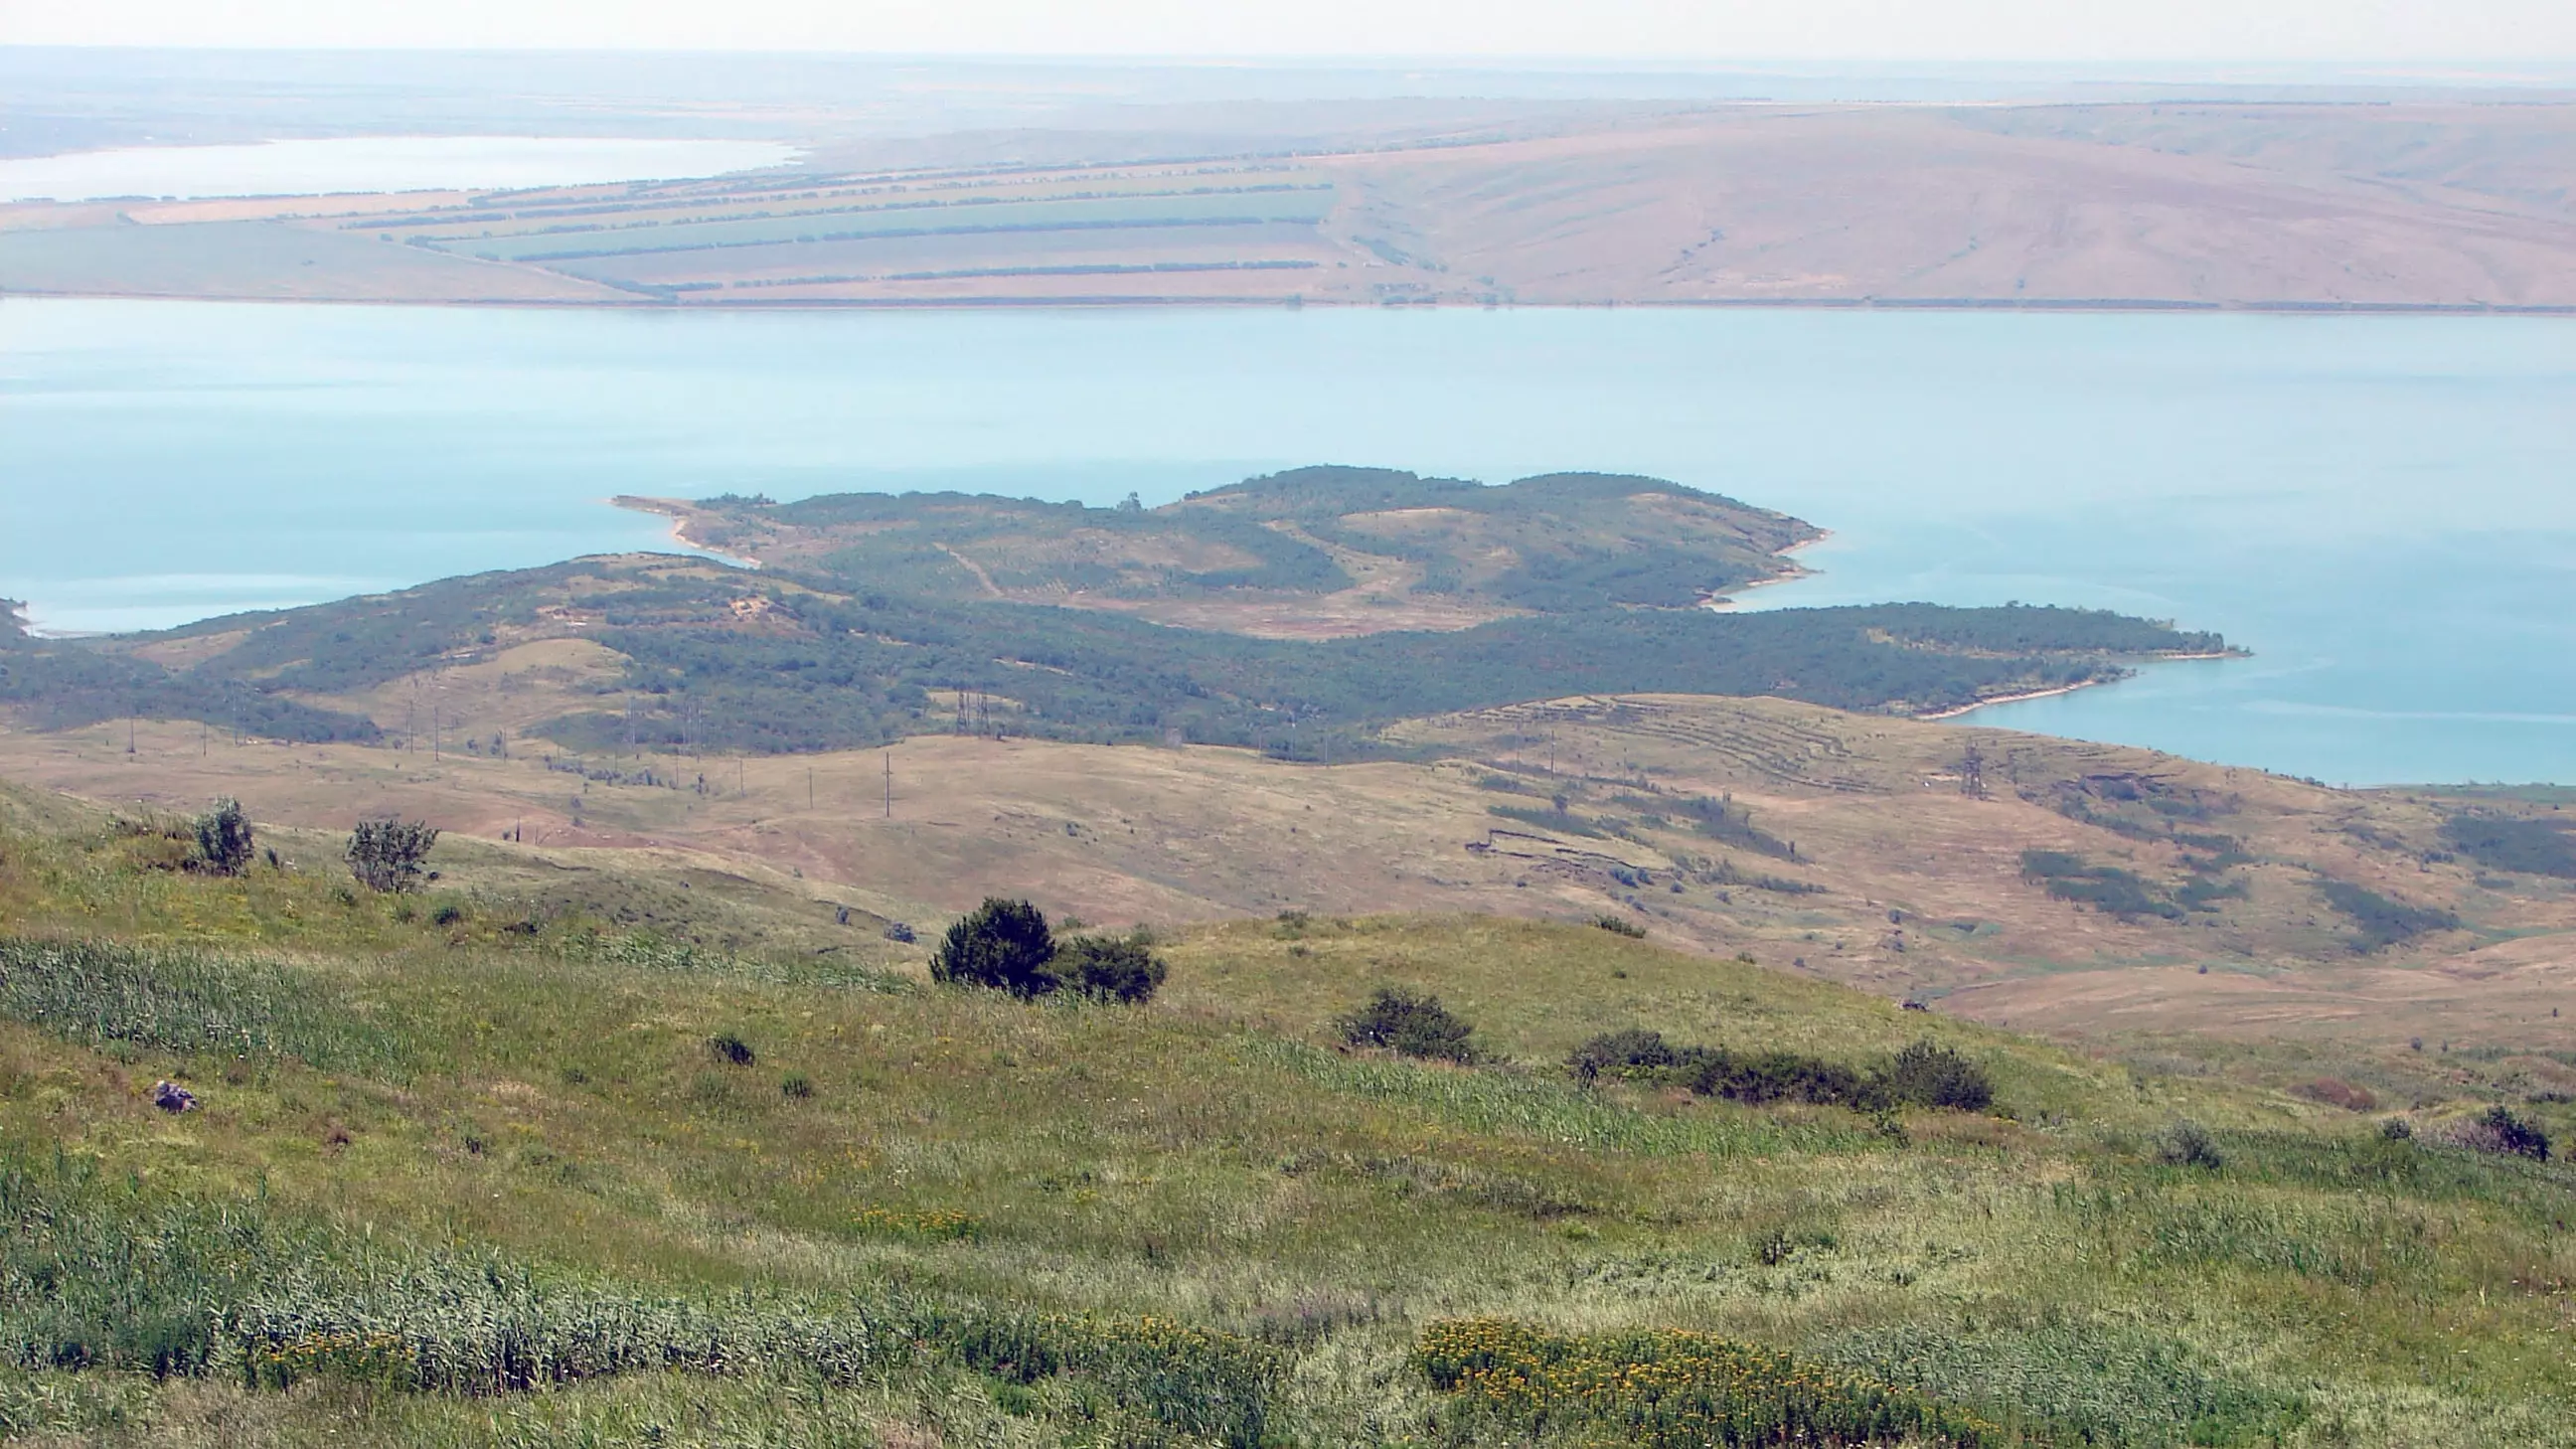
[(2188, 1144), (730, 1049), (1410, 1025), (1923, 1074), (386, 854), (1111, 968), (2396, 1129), (1936, 1076), (224, 845), (1001, 944), (1619, 926), (2498, 1130), (1625, 1053), (796, 1087)]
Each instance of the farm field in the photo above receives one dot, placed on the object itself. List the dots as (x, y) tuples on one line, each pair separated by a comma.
[(2444, 204)]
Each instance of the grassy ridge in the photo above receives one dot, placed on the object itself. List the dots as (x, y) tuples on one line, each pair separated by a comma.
[(544, 1176)]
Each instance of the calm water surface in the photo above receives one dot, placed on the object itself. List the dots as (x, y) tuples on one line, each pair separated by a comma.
[(2384, 508), (373, 163)]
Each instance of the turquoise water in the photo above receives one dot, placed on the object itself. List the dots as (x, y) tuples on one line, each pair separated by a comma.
[(2383, 508)]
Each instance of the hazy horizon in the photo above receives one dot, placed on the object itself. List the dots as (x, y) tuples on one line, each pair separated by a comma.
[(2511, 34)]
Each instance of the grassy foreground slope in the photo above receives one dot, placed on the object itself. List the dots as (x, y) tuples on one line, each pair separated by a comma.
[(467, 1171)]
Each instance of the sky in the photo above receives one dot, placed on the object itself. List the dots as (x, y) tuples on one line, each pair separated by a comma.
[(2402, 32)]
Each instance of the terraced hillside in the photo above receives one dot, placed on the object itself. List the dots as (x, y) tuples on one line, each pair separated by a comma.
[(468, 1167)]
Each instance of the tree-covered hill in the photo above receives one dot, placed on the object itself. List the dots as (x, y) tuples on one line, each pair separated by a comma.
[(766, 661), (1555, 543)]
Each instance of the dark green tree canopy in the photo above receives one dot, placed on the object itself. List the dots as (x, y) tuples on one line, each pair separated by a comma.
[(1001, 944), (1111, 968), (387, 854), (1412, 1025), (224, 843)]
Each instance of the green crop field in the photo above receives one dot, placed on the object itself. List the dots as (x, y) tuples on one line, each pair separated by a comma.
[(470, 1170)]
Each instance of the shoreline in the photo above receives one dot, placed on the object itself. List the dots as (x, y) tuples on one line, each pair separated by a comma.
[(1957, 710), (1719, 604), (674, 511), (2051, 693)]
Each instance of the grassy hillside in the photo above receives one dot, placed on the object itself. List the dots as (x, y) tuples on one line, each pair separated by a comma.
[(466, 1171), (2090, 888)]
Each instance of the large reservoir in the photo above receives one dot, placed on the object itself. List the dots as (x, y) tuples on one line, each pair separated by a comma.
[(2382, 508)]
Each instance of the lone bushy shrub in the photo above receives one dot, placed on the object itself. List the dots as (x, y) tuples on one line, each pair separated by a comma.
[(1415, 1026), (2188, 1144), (1929, 1075), (224, 844), (2497, 1130), (1630, 1052), (730, 1049), (1111, 968), (1001, 944), (386, 855)]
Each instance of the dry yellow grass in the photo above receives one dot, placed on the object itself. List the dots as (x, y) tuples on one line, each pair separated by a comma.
[(1921, 894)]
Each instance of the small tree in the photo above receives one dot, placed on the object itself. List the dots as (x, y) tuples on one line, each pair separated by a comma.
[(386, 854), (1001, 944), (1413, 1026), (224, 844), (1111, 968)]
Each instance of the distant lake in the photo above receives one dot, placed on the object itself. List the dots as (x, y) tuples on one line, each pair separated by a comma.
[(374, 163), (2383, 508)]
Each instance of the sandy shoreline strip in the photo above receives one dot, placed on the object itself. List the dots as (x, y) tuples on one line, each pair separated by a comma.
[(1957, 710), (1796, 571), (678, 514)]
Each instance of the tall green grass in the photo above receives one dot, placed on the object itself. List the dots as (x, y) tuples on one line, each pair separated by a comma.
[(101, 1274), (1546, 1109), (184, 999)]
